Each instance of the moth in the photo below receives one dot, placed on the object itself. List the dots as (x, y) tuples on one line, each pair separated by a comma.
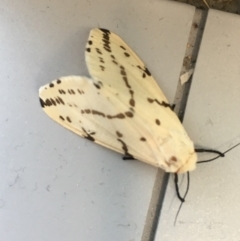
[(120, 107)]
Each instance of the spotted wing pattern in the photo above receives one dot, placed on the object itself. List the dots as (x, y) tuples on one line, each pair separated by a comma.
[(121, 107)]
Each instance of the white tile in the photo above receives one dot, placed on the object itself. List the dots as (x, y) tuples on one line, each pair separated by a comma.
[(211, 211), (54, 184)]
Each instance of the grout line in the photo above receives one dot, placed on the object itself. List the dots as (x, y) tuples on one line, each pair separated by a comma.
[(161, 181), (190, 58), (155, 206)]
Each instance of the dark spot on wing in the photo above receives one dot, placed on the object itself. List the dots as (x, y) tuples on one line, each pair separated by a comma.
[(122, 72), (124, 75), (88, 136), (68, 119), (129, 114), (118, 116), (48, 102), (59, 81), (95, 112), (106, 46), (122, 47), (173, 159), (105, 39), (51, 85), (100, 83), (56, 99), (71, 91), (102, 67), (98, 51), (61, 118), (132, 101), (158, 122), (163, 103), (90, 42), (97, 86), (150, 100), (142, 139), (53, 102), (88, 50), (125, 148), (105, 30), (173, 106), (42, 103), (60, 100), (80, 91), (126, 54), (145, 70), (61, 91), (101, 60), (119, 134)]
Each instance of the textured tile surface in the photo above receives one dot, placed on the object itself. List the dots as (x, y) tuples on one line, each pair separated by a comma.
[(54, 184), (212, 119)]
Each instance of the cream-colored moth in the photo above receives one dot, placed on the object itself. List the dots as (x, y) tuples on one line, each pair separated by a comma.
[(121, 107)]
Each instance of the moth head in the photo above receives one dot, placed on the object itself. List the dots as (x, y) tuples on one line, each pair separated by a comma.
[(179, 155), (189, 165), (181, 163)]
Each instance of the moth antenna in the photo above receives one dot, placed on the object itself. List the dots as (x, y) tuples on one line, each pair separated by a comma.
[(211, 151), (180, 206), (219, 154), (231, 148)]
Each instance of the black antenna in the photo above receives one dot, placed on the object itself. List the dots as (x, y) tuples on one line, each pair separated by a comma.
[(211, 151), (182, 199), (219, 154)]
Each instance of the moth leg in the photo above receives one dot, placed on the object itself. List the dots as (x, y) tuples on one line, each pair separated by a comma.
[(177, 188), (128, 157)]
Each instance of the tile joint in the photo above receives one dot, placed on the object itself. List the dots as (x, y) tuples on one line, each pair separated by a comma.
[(180, 101)]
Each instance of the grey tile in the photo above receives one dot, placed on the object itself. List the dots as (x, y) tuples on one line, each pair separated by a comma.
[(211, 209), (54, 184)]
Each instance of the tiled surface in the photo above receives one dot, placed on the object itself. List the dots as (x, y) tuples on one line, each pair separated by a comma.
[(211, 211), (54, 184)]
